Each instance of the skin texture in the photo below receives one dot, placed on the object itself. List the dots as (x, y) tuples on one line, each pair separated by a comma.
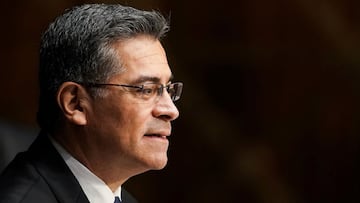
[(108, 134)]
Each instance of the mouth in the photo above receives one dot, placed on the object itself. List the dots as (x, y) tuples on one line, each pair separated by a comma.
[(156, 136)]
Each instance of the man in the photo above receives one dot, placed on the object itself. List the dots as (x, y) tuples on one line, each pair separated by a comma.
[(105, 108)]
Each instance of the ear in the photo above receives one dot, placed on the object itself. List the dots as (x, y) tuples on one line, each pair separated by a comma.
[(73, 99)]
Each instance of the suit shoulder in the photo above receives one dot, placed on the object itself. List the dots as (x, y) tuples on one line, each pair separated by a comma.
[(21, 182)]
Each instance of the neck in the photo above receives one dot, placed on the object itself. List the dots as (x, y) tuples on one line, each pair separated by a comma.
[(110, 171)]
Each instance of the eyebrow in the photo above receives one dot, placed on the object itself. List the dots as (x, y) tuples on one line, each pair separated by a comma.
[(143, 79)]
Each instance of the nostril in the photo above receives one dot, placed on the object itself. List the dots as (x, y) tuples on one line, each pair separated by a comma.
[(164, 117)]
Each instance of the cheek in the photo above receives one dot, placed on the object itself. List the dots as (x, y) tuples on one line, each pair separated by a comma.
[(131, 121), (123, 118), (136, 120)]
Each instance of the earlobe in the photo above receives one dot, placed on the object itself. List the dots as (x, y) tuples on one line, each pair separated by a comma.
[(71, 98)]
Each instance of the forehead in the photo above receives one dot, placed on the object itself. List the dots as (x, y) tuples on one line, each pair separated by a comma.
[(143, 57)]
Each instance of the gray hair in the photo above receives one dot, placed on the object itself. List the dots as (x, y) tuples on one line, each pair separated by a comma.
[(78, 47)]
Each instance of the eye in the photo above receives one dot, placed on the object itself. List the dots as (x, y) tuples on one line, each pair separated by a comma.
[(147, 91)]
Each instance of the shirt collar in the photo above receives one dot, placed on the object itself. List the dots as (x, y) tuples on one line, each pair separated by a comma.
[(94, 188)]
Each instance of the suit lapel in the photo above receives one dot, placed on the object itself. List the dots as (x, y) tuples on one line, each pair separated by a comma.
[(127, 197), (55, 172)]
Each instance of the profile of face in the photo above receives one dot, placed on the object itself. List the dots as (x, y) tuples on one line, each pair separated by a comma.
[(128, 130)]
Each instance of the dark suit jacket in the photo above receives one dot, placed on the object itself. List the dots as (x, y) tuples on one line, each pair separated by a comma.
[(41, 175)]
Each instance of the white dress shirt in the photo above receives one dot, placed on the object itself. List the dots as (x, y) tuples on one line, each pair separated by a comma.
[(94, 188)]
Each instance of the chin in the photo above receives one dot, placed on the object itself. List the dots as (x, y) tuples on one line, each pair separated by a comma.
[(160, 167), (159, 164)]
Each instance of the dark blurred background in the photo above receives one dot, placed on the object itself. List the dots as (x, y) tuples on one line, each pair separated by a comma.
[(270, 109)]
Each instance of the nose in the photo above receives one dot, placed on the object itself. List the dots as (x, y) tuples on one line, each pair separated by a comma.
[(165, 108)]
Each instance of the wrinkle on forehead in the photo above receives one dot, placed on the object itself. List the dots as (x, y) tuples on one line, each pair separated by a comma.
[(160, 57)]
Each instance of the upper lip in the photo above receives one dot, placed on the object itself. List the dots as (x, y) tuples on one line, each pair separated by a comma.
[(159, 129)]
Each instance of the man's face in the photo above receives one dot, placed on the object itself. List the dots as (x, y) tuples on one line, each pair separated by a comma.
[(126, 129)]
